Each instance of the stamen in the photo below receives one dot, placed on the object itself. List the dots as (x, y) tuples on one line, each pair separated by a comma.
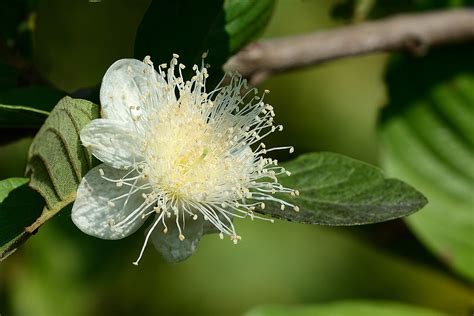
[(199, 155), (146, 239)]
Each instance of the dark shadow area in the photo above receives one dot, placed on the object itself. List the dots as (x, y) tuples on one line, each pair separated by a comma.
[(191, 30), (18, 210)]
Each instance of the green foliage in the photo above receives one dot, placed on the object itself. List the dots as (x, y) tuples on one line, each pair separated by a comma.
[(19, 207), (57, 161), (245, 20), (352, 9), (21, 116), (337, 190), (8, 185), (429, 140), (23, 110), (8, 76), (386, 7), (16, 25), (428, 135), (361, 9), (346, 308), (77, 40), (42, 98), (190, 28), (27, 107)]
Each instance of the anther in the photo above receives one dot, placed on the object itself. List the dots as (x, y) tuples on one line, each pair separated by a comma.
[(147, 60)]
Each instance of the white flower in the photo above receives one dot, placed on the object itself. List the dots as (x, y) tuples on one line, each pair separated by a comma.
[(171, 150)]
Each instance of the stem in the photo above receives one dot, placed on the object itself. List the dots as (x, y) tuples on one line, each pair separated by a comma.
[(415, 33)]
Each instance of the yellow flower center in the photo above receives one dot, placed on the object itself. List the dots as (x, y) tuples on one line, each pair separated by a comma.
[(191, 158)]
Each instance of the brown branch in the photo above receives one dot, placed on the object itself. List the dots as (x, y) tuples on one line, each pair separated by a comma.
[(415, 33)]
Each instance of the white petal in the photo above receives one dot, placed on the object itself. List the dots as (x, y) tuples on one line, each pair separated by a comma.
[(170, 246), (127, 90), (92, 211), (112, 142)]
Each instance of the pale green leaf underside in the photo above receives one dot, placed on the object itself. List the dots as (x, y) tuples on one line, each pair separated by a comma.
[(429, 141), (57, 161), (56, 164), (355, 308), (338, 190)]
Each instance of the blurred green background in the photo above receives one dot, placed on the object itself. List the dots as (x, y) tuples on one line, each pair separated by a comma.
[(331, 107)]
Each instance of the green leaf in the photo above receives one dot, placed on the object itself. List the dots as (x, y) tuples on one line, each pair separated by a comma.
[(428, 135), (57, 161), (27, 107), (337, 190), (21, 116), (19, 207), (8, 76), (354, 308), (356, 10), (17, 25), (8, 185), (190, 28), (39, 97), (23, 110), (375, 9)]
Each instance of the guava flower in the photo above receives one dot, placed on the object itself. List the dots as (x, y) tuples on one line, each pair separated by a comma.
[(191, 159)]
